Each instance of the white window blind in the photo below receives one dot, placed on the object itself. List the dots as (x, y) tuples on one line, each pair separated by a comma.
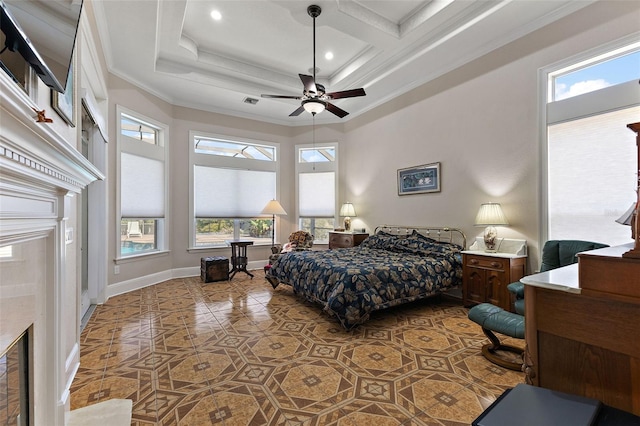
[(317, 194), (142, 192), (232, 193)]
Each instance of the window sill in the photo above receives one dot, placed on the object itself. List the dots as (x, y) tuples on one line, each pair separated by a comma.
[(136, 257), (225, 248)]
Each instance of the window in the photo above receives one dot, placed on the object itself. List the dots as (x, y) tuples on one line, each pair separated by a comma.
[(142, 184), (593, 74), (316, 171), (232, 181), (6, 253), (590, 154)]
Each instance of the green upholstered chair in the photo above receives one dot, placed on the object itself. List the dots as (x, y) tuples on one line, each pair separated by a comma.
[(493, 319)]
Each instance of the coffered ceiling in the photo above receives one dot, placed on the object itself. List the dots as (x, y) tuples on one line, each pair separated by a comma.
[(177, 51)]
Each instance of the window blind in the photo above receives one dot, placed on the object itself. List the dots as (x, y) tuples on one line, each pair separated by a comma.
[(317, 194), (141, 187), (232, 193)]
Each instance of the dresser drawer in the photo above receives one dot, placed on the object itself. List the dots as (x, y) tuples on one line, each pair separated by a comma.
[(345, 239), (340, 240), (486, 262)]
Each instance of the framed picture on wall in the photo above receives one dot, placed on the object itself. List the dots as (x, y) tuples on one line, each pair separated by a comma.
[(419, 179), (63, 103)]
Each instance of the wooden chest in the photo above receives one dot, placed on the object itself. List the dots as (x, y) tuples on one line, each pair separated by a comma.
[(214, 269)]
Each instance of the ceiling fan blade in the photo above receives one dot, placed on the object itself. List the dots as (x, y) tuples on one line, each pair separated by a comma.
[(281, 97), (337, 111), (309, 83), (297, 112), (347, 94)]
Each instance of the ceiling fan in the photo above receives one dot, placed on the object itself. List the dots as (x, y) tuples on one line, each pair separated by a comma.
[(314, 97)]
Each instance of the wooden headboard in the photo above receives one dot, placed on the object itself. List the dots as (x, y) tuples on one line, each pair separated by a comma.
[(445, 234)]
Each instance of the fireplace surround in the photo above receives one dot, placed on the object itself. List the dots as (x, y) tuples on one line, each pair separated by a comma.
[(41, 176)]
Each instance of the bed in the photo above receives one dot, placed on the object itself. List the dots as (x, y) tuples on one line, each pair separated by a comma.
[(396, 265)]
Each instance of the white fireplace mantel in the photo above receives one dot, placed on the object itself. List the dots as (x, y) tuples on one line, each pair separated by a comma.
[(40, 174), (34, 151)]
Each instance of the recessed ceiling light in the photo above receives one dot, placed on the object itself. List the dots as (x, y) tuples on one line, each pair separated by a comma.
[(216, 15), (328, 56)]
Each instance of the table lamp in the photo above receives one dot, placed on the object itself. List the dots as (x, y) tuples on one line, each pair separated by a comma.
[(347, 211), (273, 208), (490, 215)]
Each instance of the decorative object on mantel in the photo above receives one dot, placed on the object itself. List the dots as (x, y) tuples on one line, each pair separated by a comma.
[(41, 118), (634, 253), (273, 208), (347, 211), (491, 215)]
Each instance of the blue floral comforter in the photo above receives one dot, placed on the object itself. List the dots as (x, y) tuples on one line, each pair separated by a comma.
[(384, 271)]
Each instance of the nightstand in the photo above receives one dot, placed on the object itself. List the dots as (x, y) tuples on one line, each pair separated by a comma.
[(487, 275), (345, 239)]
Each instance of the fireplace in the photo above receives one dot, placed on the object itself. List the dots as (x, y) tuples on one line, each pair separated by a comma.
[(41, 177), (23, 270), (15, 383)]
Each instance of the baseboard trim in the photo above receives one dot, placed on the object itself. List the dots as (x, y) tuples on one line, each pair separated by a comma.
[(123, 287)]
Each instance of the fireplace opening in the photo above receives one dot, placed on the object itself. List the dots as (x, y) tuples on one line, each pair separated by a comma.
[(15, 382)]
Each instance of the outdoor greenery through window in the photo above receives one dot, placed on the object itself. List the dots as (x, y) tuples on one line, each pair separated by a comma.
[(142, 184), (318, 227), (232, 181), (212, 232)]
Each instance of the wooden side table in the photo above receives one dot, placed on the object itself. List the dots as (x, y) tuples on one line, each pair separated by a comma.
[(486, 275), (345, 239), (239, 258)]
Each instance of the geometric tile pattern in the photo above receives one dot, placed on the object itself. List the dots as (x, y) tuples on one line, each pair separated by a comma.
[(242, 353)]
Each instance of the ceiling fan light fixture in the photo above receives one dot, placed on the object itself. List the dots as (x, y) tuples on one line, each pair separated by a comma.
[(314, 106), (314, 97)]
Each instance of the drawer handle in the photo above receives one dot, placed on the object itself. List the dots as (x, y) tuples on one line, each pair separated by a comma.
[(474, 261), (496, 264)]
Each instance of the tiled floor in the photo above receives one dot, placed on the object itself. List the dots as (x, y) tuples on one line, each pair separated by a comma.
[(241, 353)]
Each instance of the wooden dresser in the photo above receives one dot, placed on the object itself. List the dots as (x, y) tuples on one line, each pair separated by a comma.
[(583, 328), (485, 275), (345, 239)]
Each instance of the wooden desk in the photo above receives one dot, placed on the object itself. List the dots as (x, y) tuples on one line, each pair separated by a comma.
[(586, 341), (239, 258)]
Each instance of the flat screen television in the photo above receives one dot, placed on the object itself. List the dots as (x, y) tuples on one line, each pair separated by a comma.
[(43, 32)]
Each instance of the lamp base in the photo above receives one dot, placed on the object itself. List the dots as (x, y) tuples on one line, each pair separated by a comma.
[(347, 223), (490, 239)]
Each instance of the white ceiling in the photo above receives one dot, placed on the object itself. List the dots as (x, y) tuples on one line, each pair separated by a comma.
[(175, 50)]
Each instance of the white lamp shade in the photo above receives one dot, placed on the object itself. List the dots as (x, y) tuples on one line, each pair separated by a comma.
[(347, 209), (625, 219), (273, 207), (491, 214), (314, 106)]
